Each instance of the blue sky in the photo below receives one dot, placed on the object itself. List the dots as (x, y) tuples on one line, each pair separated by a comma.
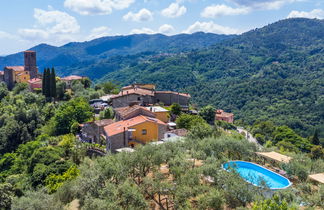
[(24, 24)]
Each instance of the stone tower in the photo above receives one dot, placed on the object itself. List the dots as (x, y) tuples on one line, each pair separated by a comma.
[(30, 64)]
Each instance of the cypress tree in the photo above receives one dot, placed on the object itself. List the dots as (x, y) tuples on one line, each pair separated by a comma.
[(315, 140), (44, 82), (53, 84), (48, 83)]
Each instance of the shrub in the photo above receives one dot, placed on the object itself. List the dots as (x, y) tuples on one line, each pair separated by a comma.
[(188, 121), (176, 109), (212, 200), (208, 114)]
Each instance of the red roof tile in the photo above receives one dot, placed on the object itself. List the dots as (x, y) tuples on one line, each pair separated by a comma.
[(124, 111), (103, 122), (221, 113), (16, 68), (35, 80), (137, 91), (72, 77), (119, 127)]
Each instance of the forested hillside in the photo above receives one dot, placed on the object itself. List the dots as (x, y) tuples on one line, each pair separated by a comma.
[(273, 73), (77, 57)]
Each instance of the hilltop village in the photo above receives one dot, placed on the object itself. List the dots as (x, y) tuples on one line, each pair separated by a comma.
[(66, 143), (141, 113)]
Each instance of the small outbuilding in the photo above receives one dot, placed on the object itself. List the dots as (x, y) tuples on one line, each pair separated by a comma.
[(224, 116), (274, 156), (317, 178)]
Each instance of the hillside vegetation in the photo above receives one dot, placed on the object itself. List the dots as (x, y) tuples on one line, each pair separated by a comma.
[(44, 165), (274, 73)]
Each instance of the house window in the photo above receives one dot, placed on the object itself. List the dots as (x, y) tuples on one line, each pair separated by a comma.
[(144, 132)]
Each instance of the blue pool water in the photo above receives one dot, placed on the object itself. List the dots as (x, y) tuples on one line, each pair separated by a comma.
[(257, 175)]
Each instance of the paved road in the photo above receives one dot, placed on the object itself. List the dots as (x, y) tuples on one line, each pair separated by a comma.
[(249, 136)]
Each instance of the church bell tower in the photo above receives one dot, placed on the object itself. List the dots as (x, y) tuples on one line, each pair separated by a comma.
[(30, 64)]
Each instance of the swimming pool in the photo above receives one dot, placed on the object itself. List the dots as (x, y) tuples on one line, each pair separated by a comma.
[(257, 175)]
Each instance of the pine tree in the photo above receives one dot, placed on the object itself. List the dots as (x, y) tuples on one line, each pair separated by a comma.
[(48, 83), (315, 140), (44, 82), (53, 84)]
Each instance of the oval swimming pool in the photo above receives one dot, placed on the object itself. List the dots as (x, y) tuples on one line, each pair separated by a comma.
[(257, 175)]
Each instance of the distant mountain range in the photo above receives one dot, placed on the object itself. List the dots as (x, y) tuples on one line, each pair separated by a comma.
[(78, 54), (273, 73)]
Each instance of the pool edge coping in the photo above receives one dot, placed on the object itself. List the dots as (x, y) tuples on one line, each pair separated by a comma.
[(290, 183)]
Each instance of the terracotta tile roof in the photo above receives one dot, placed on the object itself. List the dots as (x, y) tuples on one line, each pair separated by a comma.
[(138, 85), (72, 77), (176, 93), (118, 127), (35, 80), (137, 91), (179, 132), (16, 68), (221, 113), (104, 122), (141, 91), (124, 111)]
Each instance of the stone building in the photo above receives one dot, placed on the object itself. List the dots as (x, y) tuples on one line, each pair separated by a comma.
[(70, 79), (92, 131), (224, 116), (34, 84), (175, 134), (30, 63), (125, 113), (137, 130), (146, 95), (161, 113), (21, 74)]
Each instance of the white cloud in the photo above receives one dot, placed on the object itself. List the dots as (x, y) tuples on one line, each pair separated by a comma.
[(210, 27), (33, 34), (174, 10), (56, 21), (5, 35), (263, 4), (141, 16), (99, 32), (97, 7), (316, 13), (166, 29), (51, 26), (214, 11), (143, 31)]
